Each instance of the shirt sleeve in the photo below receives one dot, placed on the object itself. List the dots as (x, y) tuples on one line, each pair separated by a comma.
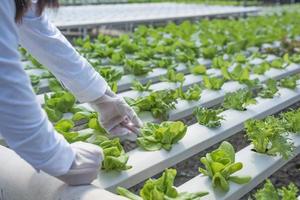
[(23, 123), (46, 43)]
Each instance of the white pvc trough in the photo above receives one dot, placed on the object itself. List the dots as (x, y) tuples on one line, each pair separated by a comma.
[(258, 166), (146, 164)]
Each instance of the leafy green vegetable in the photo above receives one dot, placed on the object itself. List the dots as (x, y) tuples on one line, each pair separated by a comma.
[(146, 54), (270, 192), (47, 74), (81, 115), (192, 94), (164, 63), (269, 90), (156, 136), (64, 127), (172, 76), (117, 58), (136, 85), (219, 63), (53, 114), (291, 120), (220, 165), (34, 62), (261, 68), (111, 75), (184, 57), (161, 189), (95, 125), (198, 70), (55, 85), (35, 80), (163, 46), (213, 83), (239, 73), (238, 100), (159, 103), (279, 64), (23, 52), (58, 103), (137, 67), (289, 82), (208, 117), (126, 193), (267, 192), (289, 193), (115, 157), (295, 58), (209, 52), (129, 47), (269, 137), (240, 58)]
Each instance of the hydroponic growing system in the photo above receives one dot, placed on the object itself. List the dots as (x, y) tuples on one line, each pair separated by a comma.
[(193, 85)]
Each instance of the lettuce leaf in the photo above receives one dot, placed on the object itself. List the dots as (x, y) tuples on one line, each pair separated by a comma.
[(161, 189), (219, 165), (208, 117), (157, 136), (270, 137), (238, 100)]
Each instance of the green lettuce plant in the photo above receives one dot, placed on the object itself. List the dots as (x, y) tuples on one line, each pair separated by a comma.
[(154, 137), (269, 89), (213, 83), (159, 103), (238, 100), (270, 137), (270, 192), (291, 121), (58, 103), (220, 165), (208, 117), (161, 189)]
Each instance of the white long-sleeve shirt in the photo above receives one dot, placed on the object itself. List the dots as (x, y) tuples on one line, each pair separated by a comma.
[(23, 123)]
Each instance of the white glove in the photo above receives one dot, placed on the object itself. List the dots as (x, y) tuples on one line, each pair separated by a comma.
[(86, 165), (116, 116)]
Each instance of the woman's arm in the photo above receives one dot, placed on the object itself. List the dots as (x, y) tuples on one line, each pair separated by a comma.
[(23, 124), (46, 43)]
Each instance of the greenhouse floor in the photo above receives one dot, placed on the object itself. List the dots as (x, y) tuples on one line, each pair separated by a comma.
[(97, 15)]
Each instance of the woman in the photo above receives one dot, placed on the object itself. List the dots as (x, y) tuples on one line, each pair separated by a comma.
[(23, 124)]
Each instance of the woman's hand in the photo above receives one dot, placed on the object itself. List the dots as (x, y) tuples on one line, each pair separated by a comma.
[(116, 116), (86, 165)]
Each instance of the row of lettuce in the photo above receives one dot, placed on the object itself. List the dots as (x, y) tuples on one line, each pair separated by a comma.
[(273, 133), (147, 48), (270, 136), (223, 42), (161, 102), (163, 187), (219, 166)]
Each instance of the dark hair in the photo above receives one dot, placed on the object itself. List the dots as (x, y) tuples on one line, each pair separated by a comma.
[(23, 5)]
